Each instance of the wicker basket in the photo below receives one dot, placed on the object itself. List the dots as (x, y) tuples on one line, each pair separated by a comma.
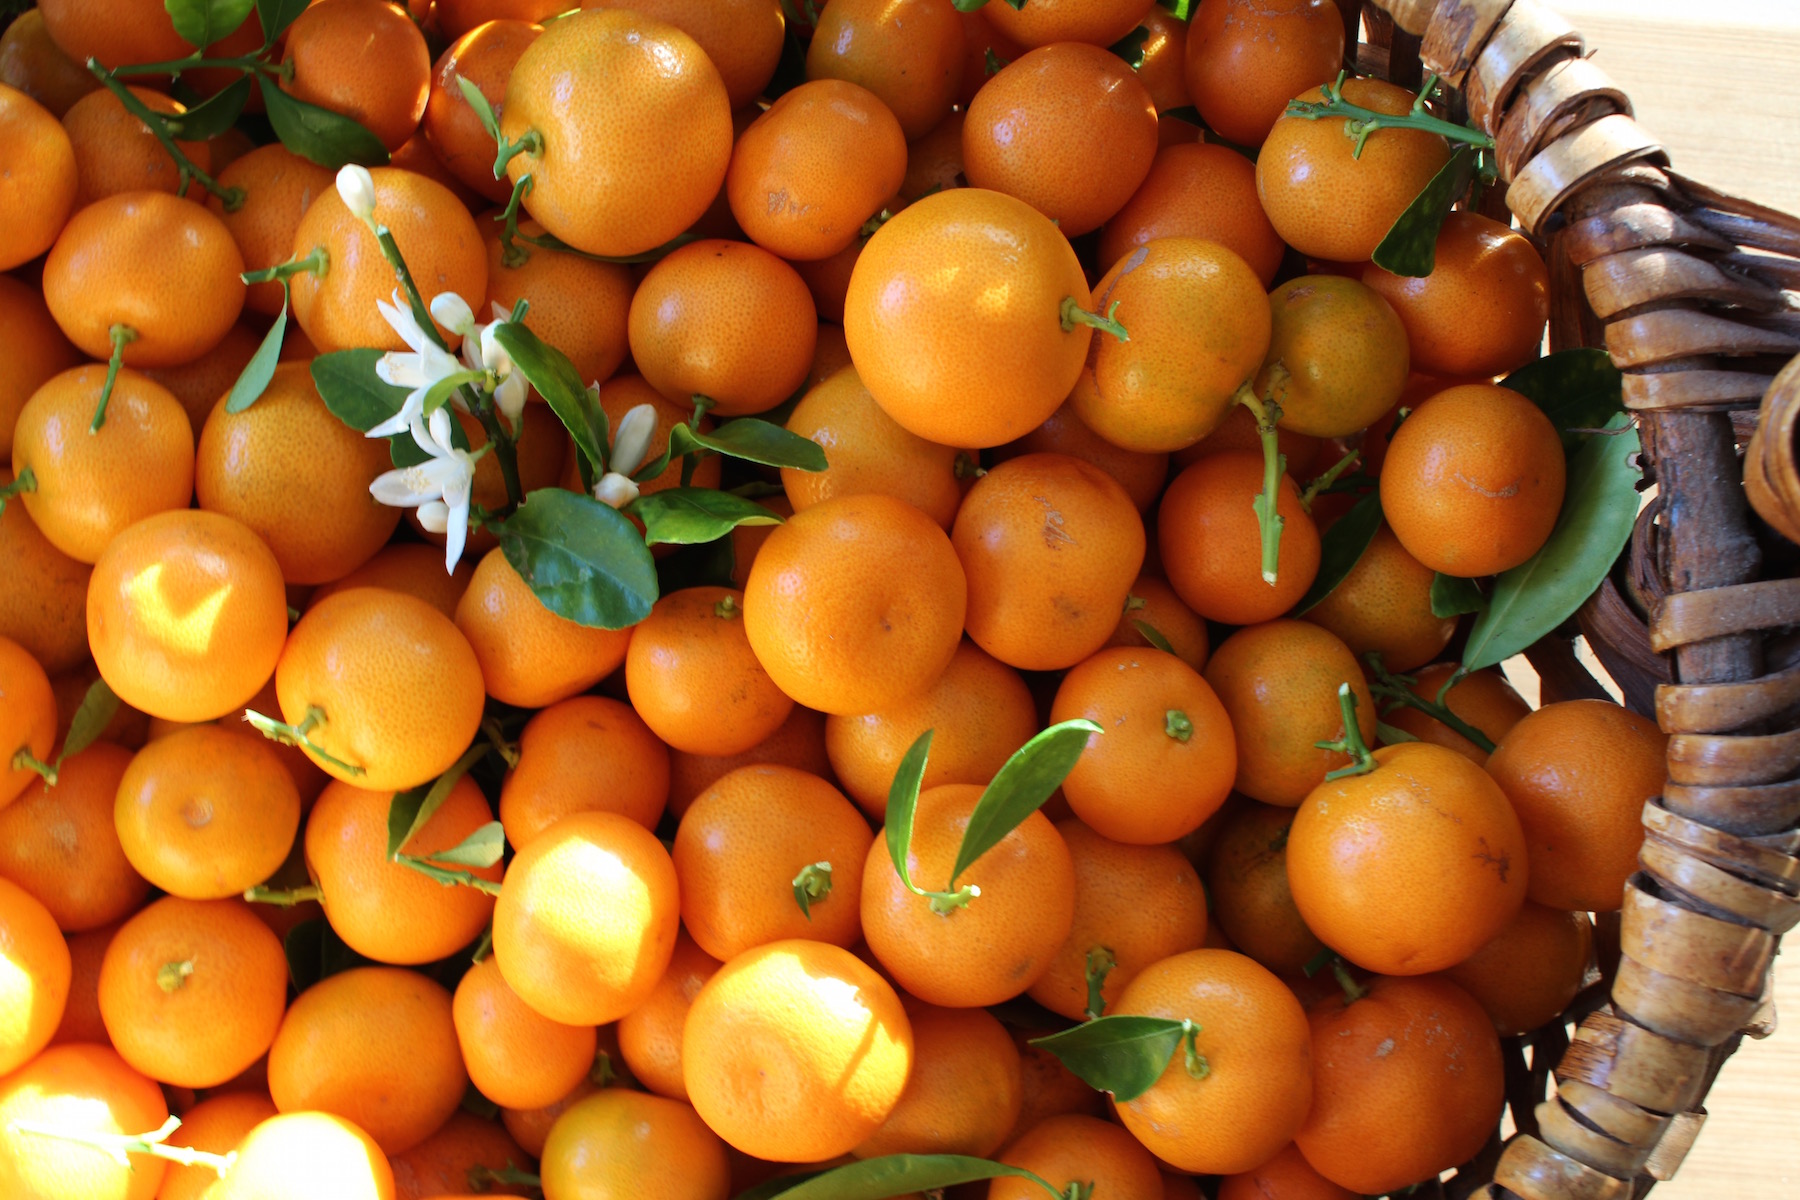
[(1683, 287)]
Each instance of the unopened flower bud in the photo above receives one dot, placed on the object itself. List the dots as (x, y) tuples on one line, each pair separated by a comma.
[(357, 187), (631, 445), (434, 515), (615, 490), (452, 312)]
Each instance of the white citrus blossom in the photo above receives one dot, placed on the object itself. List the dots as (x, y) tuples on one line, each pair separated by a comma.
[(438, 487), (512, 391), (418, 371), (631, 445), (357, 187)]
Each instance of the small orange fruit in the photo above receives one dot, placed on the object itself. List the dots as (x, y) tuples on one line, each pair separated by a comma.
[(278, 186), (586, 753), (32, 347), (37, 66), (1153, 603), (217, 1125), (27, 717), (799, 743), (1526, 974), (1142, 474), (1337, 355), (624, 1143), (1211, 544), (964, 1092), (80, 1089), (579, 306), (1287, 1176), (742, 38), (443, 1161), (302, 1155), (59, 844), (363, 59), (650, 1034), (1384, 605), (1247, 882), (1246, 57), (38, 192), (410, 567), (34, 988), (694, 679), (1484, 700), (485, 56), (529, 655), (43, 596), (1098, 22), (1202, 191), (517, 1057), (909, 53), (1075, 1150), (116, 152)]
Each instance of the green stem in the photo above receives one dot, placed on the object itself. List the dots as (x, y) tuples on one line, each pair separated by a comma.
[(122, 336), (1177, 725), (446, 876), (120, 1145), (504, 442), (1353, 991), (1363, 761), (1360, 122), (316, 263), (1327, 479), (874, 223), (530, 142), (232, 198), (1197, 1066), (511, 255), (945, 903), (25, 482), (508, 751), (1393, 687), (172, 975), (24, 760), (176, 66), (1268, 517), (285, 898), (1100, 963), (812, 884), (420, 310), (1073, 314), (296, 735)]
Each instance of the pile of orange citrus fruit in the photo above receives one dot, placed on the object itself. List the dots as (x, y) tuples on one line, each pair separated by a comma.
[(835, 598)]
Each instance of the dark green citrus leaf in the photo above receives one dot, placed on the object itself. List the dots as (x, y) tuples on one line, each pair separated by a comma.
[(330, 139), (1341, 548), (95, 713), (582, 559), (560, 384), (276, 15), (890, 1175), (1577, 389), (903, 800), (203, 22), (1123, 1055), (688, 515), (212, 116), (355, 395), (409, 811), (254, 381), (1452, 596), (1034, 771), (1410, 247)]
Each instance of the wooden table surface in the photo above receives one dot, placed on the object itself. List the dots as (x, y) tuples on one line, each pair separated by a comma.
[(1716, 81)]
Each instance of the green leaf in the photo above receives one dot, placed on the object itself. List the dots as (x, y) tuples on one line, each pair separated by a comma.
[(1577, 389), (330, 139), (276, 15), (1124, 1055), (410, 811), (203, 22), (903, 800), (1341, 548), (1390, 735), (483, 848), (254, 380), (560, 384), (1131, 46), (483, 110), (709, 564), (890, 1175), (1410, 247), (1598, 513), (688, 515), (1179, 8), (583, 560), (355, 395), (1452, 596), (439, 393), (1153, 635), (746, 438), (212, 116), (95, 713), (1034, 771)]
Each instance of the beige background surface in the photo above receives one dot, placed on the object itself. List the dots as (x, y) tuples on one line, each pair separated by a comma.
[(1719, 82)]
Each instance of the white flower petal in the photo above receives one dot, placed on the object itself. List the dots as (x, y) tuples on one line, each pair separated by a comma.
[(511, 396), (615, 489), (400, 422), (357, 187), (456, 529), (406, 487), (434, 516), (631, 445), (440, 433), (493, 356), (452, 312)]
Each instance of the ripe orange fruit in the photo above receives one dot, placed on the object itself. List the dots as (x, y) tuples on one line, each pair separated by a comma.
[(34, 990), (1212, 549), (192, 990), (1578, 774), (364, 59), (1000, 942), (1153, 602), (577, 305), (1140, 904), (1141, 474), (382, 909), (43, 595), (1247, 881), (116, 33), (624, 1143), (634, 126), (855, 604), (1100, 22), (964, 1091), (979, 708), (530, 1127), (1167, 757), (81, 1089), (1384, 605), (186, 615), (1050, 1087), (1484, 699), (650, 1034), (59, 843), (1481, 311), (250, 465), (1163, 67), (1325, 201), (456, 17), (1065, 1150), (517, 1057), (278, 186), (91, 486), (910, 54), (27, 717), (116, 152), (529, 655), (742, 845), (1245, 58), (815, 1017), (417, 570), (1287, 1176), (866, 450), (953, 317), (1257, 1079), (1197, 191), (218, 1125), (1473, 480), (302, 1155), (1050, 545), (1406, 1083), (485, 56), (1411, 867), (35, 65), (81, 1020), (161, 266), (1278, 682), (443, 1161), (586, 918), (34, 351), (1169, 386), (799, 743), (1337, 355), (205, 812), (1068, 129), (1527, 973), (199, 385), (687, 335), (812, 169), (435, 233), (374, 1045), (396, 686), (586, 753), (38, 191), (742, 38)]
